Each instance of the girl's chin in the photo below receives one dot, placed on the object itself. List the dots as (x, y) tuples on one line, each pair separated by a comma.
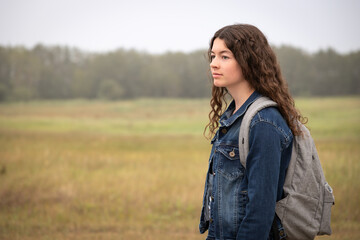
[(219, 84)]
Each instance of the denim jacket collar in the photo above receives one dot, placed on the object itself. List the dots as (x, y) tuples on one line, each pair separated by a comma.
[(227, 119)]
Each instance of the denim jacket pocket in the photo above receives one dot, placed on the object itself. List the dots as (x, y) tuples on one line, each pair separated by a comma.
[(229, 162)]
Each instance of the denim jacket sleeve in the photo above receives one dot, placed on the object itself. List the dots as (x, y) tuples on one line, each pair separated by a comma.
[(266, 143)]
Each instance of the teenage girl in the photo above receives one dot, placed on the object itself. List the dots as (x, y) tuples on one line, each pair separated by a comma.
[(240, 203)]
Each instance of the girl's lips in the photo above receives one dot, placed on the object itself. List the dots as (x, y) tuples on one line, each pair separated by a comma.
[(216, 75)]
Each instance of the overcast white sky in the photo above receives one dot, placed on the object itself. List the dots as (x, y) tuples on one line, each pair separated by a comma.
[(157, 26)]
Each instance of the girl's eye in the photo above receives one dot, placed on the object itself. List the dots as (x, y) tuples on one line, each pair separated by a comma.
[(212, 57), (225, 57)]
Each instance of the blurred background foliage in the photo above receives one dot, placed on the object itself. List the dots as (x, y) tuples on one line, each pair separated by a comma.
[(60, 72)]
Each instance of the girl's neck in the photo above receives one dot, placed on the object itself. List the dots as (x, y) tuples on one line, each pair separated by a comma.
[(241, 93)]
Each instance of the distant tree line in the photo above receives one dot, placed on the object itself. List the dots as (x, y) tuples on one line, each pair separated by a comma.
[(56, 72)]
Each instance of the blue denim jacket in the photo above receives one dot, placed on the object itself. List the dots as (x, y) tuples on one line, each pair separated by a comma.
[(240, 203)]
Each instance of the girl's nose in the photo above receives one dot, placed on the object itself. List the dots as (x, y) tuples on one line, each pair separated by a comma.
[(214, 63)]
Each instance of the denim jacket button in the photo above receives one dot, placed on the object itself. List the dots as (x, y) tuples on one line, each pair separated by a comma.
[(224, 131), (232, 154)]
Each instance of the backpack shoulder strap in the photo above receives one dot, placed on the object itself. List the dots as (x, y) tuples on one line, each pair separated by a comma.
[(254, 108)]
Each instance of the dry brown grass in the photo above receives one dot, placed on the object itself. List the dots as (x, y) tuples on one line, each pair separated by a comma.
[(67, 171)]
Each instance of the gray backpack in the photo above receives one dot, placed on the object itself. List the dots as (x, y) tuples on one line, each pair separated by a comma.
[(305, 211)]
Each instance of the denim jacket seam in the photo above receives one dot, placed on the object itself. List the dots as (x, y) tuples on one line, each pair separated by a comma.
[(278, 129), (283, 132)]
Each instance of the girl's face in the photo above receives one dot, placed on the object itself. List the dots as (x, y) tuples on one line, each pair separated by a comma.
[(225, 70)]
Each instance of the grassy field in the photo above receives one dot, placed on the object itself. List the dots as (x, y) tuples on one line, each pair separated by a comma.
[(136, 169)]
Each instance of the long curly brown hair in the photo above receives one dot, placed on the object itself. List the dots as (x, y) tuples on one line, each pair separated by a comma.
[(260, 68)]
